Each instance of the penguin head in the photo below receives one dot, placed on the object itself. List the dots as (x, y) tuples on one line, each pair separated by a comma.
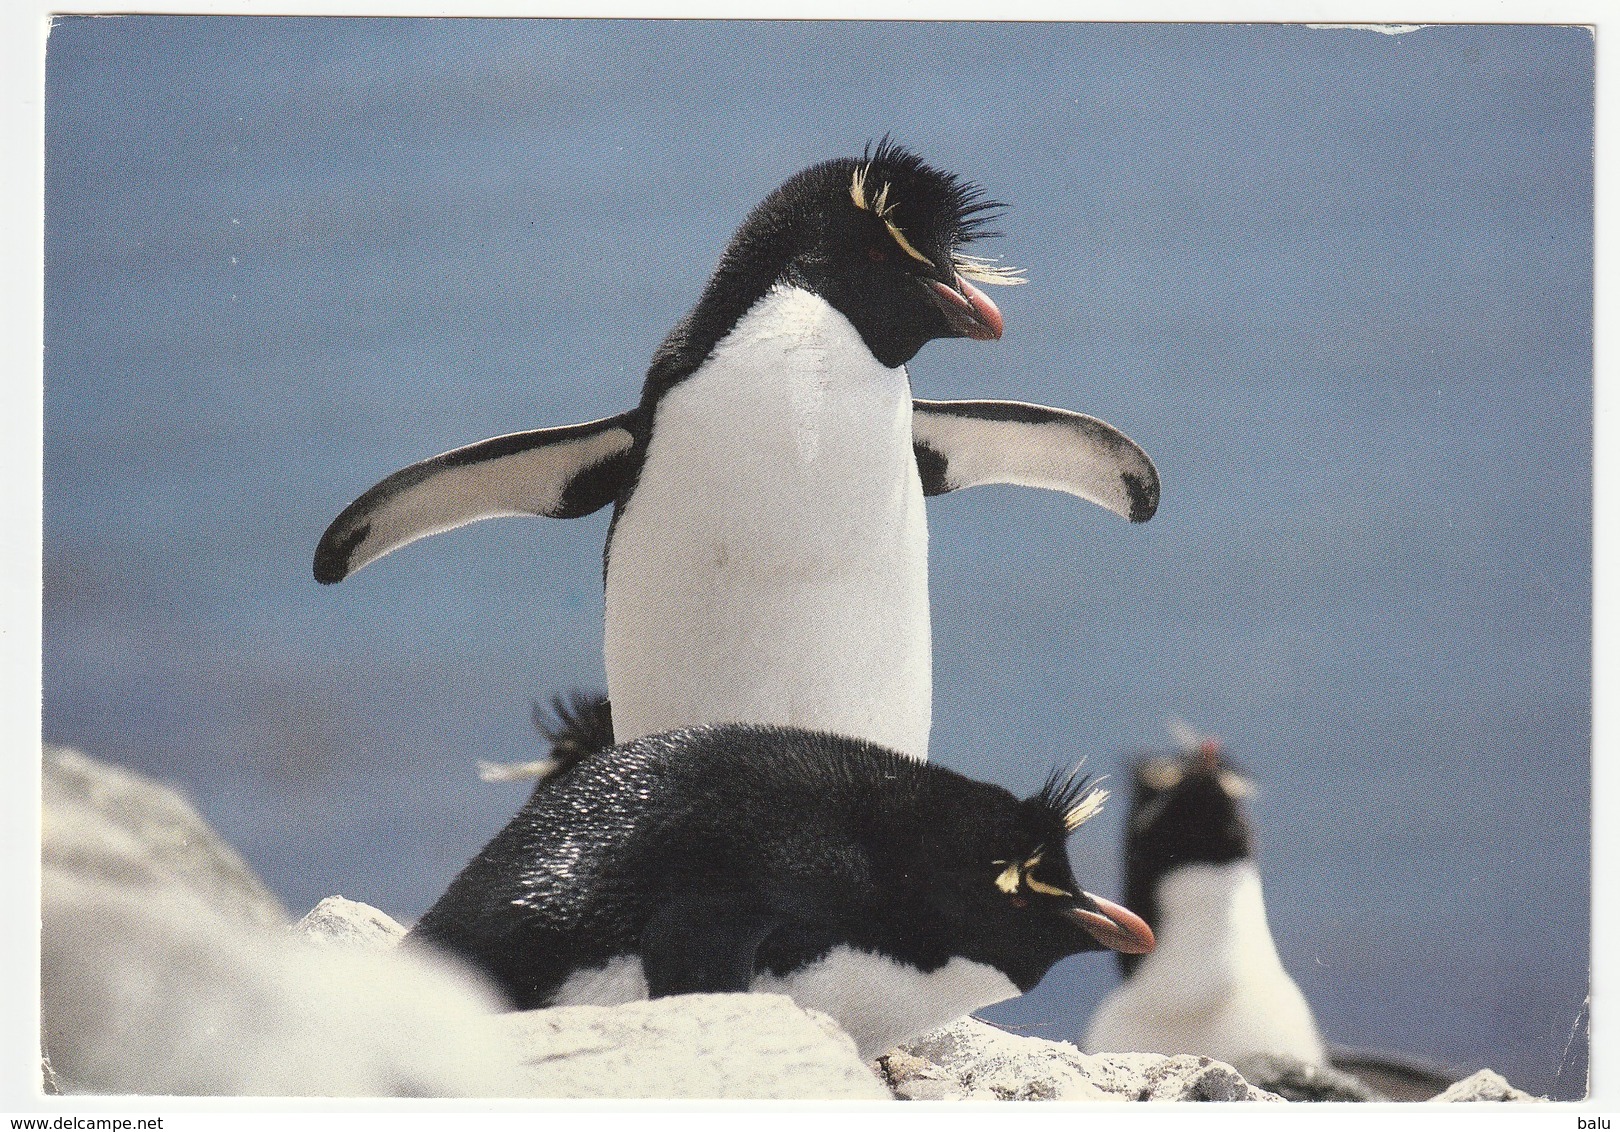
[(999, 878), (1186, 809), (879, 239)]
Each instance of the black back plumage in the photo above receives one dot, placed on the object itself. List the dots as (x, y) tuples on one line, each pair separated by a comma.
[(1186, 809), (720, 852)]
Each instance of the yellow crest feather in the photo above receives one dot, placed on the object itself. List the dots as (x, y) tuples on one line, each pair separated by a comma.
[(1045, 889), (882, 207), (1016, 875), (982, 270), (905, 244), (1085, 809)]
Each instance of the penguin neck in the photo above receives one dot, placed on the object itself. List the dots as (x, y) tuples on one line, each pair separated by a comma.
[(1215, 916), (739, 283), (770, 565)]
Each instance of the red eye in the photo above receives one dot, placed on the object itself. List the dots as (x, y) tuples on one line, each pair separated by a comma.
[(876, 255), (1019, 902)]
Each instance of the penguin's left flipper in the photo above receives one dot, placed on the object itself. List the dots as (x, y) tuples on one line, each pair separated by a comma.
[(703, 945), (561, 473), (967, 443)]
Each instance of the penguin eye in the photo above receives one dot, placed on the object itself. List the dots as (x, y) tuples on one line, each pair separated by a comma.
[(884, 209), (1016, 877), (877, 255)]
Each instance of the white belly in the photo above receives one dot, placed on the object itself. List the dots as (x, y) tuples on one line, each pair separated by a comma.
[(876, 1001), (1214, 986), (618, 981), (772, 563), (881, 1003)]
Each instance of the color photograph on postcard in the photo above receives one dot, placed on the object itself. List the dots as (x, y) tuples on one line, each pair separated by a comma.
[(794, 560)]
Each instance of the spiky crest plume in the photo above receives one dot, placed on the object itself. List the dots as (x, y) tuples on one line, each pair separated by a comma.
[(1072, 797), (958, 208), (577, 726)]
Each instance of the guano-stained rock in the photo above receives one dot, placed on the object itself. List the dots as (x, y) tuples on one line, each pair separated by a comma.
[(340, 922), (1485, 1085), (972, 1060)]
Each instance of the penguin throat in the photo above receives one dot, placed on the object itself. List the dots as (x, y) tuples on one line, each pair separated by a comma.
[(1217, 911), (893, 331)]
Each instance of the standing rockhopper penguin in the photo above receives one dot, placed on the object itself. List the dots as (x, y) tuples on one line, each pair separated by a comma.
[(891, 894), (1215, 985), (768, 556)]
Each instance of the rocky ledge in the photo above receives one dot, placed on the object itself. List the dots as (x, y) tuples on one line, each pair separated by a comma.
[(970, 1060), (168, 969)]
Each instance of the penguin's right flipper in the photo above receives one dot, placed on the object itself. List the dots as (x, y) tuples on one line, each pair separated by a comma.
[(561, 473), (967, 443), (703, 945)]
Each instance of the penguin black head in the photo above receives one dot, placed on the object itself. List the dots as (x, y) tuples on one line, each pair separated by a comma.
[(879, 238), (882, 890), (884, 240), (997, 871), (1186, 809)]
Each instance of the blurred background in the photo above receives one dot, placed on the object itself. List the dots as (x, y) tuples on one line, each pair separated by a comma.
[(1337, 282)]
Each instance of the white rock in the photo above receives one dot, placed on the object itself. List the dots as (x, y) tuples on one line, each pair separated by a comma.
[(690, 1047), (1182, 1077), (108, 822), (972, 1060), (337, 922), (152, 992), (1483, 1086), (166, 968)]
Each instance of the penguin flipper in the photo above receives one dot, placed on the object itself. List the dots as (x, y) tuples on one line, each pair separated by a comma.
[(703, 945), (967, 443), (561, 473)]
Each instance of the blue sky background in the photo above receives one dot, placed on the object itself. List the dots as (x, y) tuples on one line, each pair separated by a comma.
[(1337, 283)]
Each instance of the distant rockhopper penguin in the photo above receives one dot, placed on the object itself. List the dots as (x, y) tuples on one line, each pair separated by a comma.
[(1215, 985), (767, 560), (892, 894)]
